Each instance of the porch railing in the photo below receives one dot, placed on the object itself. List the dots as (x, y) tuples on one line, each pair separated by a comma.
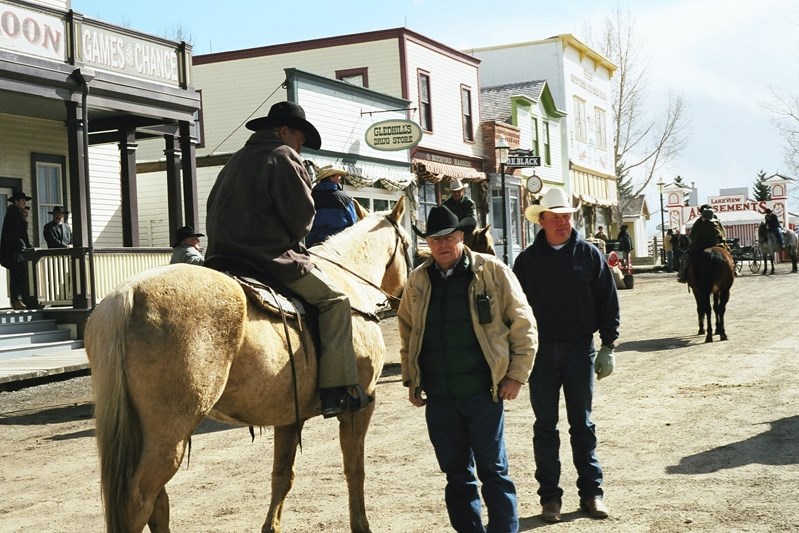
[(61, 277)]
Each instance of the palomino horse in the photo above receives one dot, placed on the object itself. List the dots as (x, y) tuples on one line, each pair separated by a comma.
[(769, 246), (178, 343), (711, 272)]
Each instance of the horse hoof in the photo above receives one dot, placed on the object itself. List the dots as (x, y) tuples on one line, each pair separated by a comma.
[(708, 339), (723, 337)]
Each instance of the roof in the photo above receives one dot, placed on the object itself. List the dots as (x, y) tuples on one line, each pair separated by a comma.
[(498, 102), (636, 207)]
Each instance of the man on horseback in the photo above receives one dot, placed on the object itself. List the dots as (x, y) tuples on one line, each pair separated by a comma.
[(705, 233), (773, 226), (259, 211)]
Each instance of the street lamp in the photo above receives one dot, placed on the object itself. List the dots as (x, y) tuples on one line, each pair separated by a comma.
[(502, 147), (660, 186)]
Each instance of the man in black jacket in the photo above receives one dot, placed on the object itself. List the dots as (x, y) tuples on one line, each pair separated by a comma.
[(571, 290), (458, 202), (15, 239)]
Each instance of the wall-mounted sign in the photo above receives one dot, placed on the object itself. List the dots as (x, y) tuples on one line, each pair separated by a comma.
[(26, 31), (116, 51), (393, 135)]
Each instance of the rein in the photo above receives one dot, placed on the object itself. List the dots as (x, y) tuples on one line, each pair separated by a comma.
[(399, 241)]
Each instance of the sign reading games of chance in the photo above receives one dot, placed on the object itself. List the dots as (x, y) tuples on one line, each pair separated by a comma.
[(393, 135)]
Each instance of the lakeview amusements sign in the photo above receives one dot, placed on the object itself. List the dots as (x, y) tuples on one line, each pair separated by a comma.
[(393, 135)]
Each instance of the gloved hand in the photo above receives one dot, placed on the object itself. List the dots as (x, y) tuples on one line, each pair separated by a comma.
[(605, 361)]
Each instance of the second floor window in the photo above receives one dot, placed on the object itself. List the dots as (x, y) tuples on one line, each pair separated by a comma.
[(425, 107), (355, 76), (466, 110), (547, 154), (535, 136), (601, 136), (579, 119)]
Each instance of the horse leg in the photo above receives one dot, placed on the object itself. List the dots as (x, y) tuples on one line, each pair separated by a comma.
[(352, 434), (723, 298), (149, 502), (286, 441), (793, 261)]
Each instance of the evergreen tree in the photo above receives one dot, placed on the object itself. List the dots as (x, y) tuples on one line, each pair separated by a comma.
[(679, 181), (760, 190)]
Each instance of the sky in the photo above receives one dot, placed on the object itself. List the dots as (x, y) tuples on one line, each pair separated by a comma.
[(724, 57)]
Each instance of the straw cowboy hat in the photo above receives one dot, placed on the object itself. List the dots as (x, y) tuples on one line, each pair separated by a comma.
[(555, 200), (291, 115), (441, 221), (456, 185), (328, 171), (184, 233), (19, 195)]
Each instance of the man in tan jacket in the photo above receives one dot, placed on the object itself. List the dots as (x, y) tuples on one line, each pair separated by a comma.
[(468, 343)]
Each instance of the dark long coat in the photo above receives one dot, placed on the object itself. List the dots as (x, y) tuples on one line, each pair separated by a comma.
[(14, 237)]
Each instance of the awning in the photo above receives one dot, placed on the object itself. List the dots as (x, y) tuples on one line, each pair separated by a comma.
[(360, 174), (587, 199), (434, 172)]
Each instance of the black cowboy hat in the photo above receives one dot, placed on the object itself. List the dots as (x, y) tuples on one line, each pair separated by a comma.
[(184, 233), (441, 221), (19, 195), (58, 209), (291, 115)]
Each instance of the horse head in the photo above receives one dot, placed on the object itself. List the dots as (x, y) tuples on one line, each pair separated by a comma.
[(480, 240)]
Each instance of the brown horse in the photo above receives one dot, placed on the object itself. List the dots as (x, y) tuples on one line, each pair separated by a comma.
[(480, 240), (711, 272), (178, 343)]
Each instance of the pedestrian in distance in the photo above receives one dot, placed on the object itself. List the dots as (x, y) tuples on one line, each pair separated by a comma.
[(57, 233), (625, 246), (572, 293), (458, 202), (467, 346), (13, 240), (335, 210), (259, 211), (669, 250), (186, 247), (600, 234)]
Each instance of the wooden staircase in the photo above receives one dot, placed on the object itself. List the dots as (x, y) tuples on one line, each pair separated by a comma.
[(33, 347)]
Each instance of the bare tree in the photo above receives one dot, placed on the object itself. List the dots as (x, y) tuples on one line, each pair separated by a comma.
[(642, 146), (785, 116)]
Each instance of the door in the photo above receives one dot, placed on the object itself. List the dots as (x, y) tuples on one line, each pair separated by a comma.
[(5, 194)]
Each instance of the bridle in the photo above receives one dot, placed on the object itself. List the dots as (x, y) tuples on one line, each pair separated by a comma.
[(401, 241)]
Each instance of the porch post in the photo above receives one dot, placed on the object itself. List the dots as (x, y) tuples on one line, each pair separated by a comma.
[(173, 195), (78, 205), (129, 186), (190, 202)]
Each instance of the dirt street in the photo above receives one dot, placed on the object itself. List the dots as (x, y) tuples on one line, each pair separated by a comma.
[(693, 437)]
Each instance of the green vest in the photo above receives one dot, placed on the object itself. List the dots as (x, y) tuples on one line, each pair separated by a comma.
[(451, 360)]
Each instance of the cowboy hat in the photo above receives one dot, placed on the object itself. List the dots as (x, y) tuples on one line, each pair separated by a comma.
[(328, 171), (291, 115), (555, 201), (441, 221), (184, 233), (19, 195), (456, 185), (58, 209)]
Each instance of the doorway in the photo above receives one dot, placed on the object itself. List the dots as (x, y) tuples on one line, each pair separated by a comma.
[(5, 194)]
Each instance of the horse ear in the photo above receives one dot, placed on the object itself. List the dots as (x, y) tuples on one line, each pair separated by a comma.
[(360, 211), (399, 210)]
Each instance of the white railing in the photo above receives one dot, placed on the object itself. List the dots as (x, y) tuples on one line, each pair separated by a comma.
[(53, 271)]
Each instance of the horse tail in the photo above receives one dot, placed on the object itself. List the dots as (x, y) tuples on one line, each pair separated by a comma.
[(119, 437)]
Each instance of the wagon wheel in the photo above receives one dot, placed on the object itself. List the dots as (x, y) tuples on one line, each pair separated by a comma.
[(755, 259)]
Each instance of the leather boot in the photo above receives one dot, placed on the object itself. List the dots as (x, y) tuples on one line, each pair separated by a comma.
[(339, 400)]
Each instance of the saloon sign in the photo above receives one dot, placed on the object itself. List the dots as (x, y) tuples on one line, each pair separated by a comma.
[(393, 135)]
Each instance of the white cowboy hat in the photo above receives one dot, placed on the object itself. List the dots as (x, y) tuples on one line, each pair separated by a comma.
[(456, 185), (328, 171), (555, 200)]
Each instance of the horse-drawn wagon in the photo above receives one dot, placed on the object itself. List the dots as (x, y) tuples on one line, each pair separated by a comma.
[(745, 254)]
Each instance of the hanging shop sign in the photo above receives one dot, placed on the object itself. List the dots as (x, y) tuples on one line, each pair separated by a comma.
[(393, 135)]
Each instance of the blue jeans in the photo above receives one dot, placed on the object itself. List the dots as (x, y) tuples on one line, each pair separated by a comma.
[(464, 433), (778, 233), (569, 365)]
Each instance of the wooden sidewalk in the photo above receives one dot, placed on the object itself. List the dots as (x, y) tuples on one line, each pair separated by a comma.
[(46, 365)]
